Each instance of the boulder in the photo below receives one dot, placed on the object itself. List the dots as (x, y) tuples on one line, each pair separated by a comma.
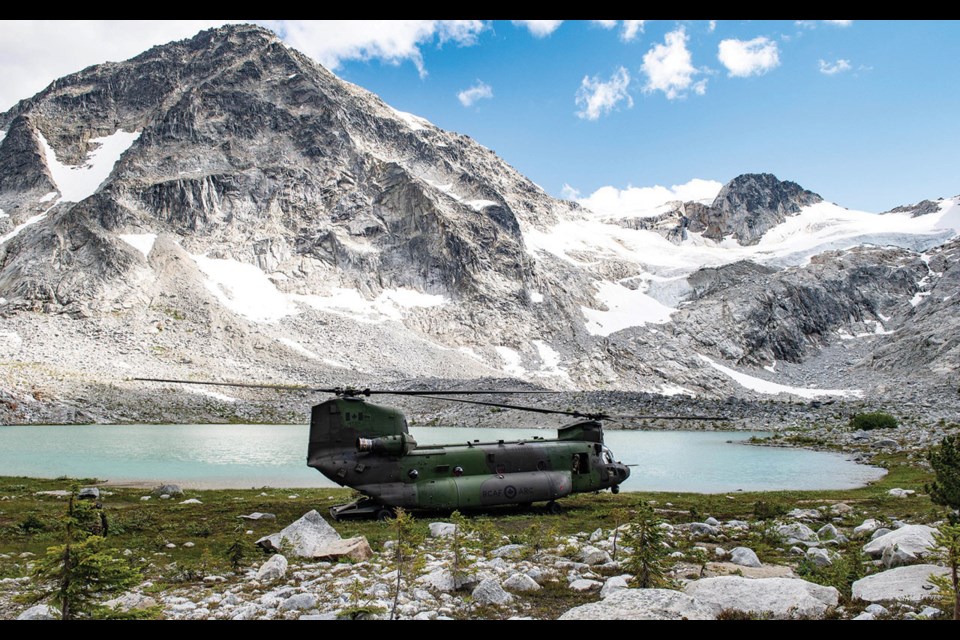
[(593, 556), (168, 490), (356, 549), (713, 522), (805, 514), (520, 583), (256, 515), (882, 531), (644, 604), (131, 601), (915, 539), (439, 580), (903, 583), (191, 501), (901, 493), (744, 556), (894, 556), (869, 526), (782, 598), (489, 592), (442, 529), (299, 602), (40, 612), (508, 551), (819, 557), (796, 532), (703, 529), (583, 584), (306, 538), (613, 584), (273, 569), (841, 509), (89, 493), (827, 532)]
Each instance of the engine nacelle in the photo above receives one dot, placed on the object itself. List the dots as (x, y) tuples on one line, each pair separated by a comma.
[(398, 445)]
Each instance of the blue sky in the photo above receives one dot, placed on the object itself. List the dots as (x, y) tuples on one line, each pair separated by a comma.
[(866, 113)]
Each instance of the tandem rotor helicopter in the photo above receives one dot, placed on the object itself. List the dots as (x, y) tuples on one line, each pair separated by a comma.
[(369, 448)]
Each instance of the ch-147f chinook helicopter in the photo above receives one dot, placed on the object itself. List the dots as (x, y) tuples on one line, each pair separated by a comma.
[(369, 448)]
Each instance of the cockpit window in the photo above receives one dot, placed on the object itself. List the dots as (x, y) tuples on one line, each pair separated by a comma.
[(607, 456)]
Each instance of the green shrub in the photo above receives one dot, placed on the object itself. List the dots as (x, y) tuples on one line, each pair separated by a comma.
[(873, 420)]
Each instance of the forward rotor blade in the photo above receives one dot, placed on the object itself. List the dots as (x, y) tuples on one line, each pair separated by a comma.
[(576, 414), (659, 417)]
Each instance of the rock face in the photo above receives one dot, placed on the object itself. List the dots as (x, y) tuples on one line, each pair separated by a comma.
[(903, 583), (40, 612), (783, 598), (644, 604), (261, 211)]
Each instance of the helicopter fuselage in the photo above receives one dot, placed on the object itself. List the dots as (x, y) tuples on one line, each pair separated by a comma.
[(369, 448)]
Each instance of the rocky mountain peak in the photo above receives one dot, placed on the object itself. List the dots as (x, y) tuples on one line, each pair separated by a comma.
[(748, 206)]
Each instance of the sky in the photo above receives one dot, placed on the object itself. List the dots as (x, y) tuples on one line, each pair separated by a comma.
[(616, 112)]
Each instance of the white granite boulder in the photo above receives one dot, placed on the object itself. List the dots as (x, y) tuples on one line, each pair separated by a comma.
[(782, 598), (915, 539), (744, 556), (644, 604), (273, 569), (911, 584)]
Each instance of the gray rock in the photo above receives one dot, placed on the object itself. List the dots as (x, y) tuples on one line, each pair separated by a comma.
[(865, 616), (91, 493), (877, 610), (819, 557), (168, 490), (796, 532), (744, 556), (804, 514), (256, 515), (782, 598), (327, 615), (307, 537), (840, 509), (131, 601), (915, 539), (441, 529), (909, 584), (703, 529), (712, 522), (894, 556), (40, 612), (439, 580), (827, 532), (593, 556), (644, 604), (273, 569), (901, 493), (613, 584), (882, 531), (246, 612), (583, 584), (489, 592), (299, 602), (930, 613), (520, 583), (508, 551), (869, 526)]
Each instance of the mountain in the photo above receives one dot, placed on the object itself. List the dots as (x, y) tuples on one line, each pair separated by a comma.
[(225, 207)]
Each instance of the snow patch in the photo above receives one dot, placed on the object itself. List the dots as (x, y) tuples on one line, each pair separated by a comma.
[(244, 289), (16, 230), (48, 197), (771, 367), (550, 360), (4, 214), (670, 389), (763, 386), (80, 182), (536, 297), (479, 205), (511, 361), (414, 122), (209, 394), (627, 308), (470, 352), (389, 305), (918, 298), (142, 242)]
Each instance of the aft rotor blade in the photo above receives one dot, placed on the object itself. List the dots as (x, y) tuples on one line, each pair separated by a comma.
[(449, 393), (576, 414), (249, 385), (659, 417)]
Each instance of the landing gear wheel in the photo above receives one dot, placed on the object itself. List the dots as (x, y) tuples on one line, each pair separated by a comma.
[(385, 514), (553, 508), (615, 489)]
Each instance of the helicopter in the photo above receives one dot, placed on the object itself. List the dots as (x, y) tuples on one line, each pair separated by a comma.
[(369, 448)]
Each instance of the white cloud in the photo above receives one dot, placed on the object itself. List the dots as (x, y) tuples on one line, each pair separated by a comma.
[(832, 68), (33, 53), (596, 98), (539, 28), (641, 201), (669, 67), (477, 92), (569, 193), (812, 24), (630, 27), (330, 42), (744, 58)]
